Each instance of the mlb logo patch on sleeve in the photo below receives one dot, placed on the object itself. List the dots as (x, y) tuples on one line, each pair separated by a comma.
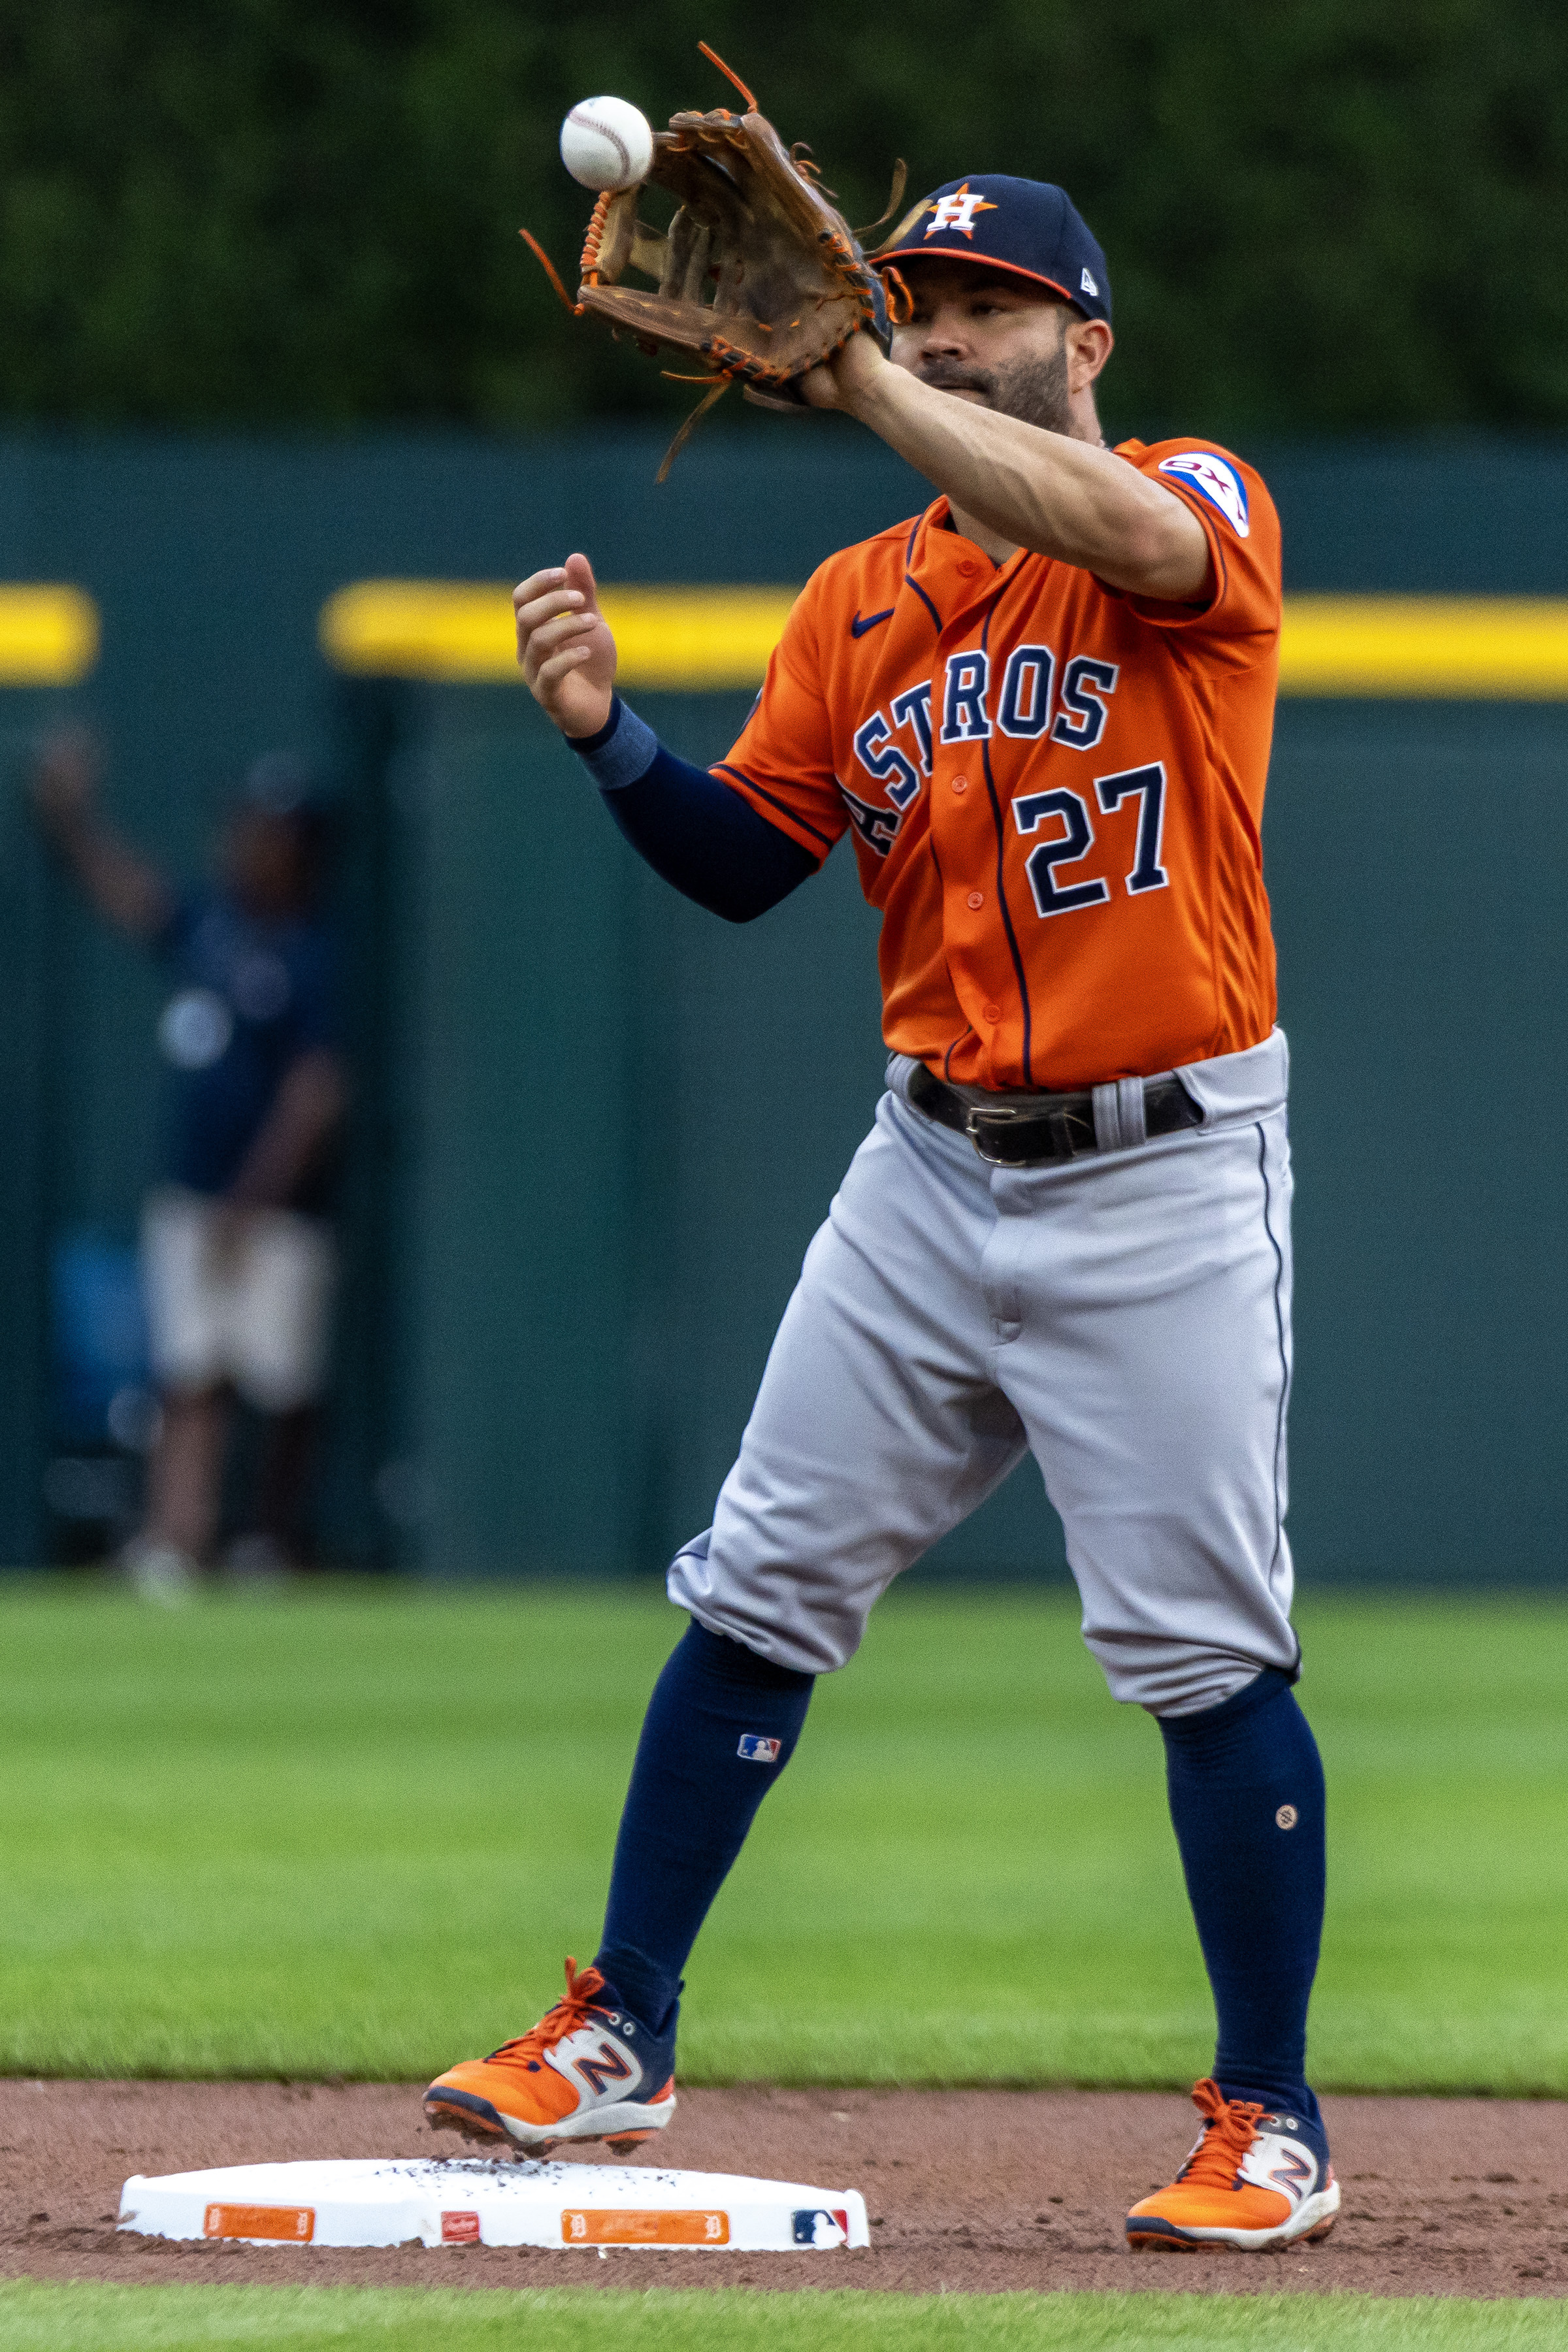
[(1220, 483), (754, 1750)]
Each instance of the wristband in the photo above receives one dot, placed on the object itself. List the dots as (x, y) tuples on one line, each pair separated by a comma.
[(625, 747)]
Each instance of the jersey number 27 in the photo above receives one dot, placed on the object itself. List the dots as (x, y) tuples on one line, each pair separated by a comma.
[(1032, 810)]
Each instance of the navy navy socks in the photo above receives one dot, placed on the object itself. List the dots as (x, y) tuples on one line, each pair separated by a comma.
[(720, 1727), (1246, 1799)]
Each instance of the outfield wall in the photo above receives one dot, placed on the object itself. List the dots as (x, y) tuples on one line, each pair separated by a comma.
[(597, 1127)]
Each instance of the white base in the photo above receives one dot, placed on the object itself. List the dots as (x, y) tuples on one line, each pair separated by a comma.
[(476, 2200)]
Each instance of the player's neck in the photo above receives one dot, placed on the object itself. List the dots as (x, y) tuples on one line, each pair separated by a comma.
[(989, 542)]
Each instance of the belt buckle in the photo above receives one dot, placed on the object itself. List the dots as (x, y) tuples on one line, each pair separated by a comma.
[(1058, 1125), (975, 1123), (981, 1120)]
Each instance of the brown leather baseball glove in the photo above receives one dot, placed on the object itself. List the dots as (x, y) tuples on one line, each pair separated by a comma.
[(757, 275)]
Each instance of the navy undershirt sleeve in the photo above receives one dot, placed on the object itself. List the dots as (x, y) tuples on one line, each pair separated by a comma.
[(694, 830)]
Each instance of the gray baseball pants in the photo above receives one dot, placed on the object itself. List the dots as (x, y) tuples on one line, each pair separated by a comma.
[(1125, 1316)]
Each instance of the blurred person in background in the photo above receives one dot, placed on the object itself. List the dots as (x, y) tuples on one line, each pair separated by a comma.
[(237, 1251)]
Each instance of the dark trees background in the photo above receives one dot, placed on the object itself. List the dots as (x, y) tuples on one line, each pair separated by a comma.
[(1320, 215)]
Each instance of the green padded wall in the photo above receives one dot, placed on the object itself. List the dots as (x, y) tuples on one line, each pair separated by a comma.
[(597, 1127), (1417, 858)]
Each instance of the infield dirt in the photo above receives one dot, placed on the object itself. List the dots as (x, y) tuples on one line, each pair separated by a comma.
[(968, 2190)]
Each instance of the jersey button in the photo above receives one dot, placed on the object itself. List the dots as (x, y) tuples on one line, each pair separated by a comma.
[(968, 571), (977, 899), (992, 1012), (961, 784)]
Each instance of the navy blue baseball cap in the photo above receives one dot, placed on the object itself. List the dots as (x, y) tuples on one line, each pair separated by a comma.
[(1026, 228)]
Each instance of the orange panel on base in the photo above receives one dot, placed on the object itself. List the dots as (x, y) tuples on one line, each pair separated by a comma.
[(608, 2226), (295, 2224)]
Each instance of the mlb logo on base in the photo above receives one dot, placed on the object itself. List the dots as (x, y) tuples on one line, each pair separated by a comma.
[(754, 1750), (820, 2229)]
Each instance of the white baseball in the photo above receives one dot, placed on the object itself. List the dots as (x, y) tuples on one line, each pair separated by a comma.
[(606, 143)]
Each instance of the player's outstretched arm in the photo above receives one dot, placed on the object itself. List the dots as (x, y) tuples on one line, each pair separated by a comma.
[(564, 649), (689, 825), (1060, 495), (127, 889)]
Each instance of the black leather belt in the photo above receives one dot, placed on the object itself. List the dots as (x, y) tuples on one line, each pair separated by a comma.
[(1047, 1126)]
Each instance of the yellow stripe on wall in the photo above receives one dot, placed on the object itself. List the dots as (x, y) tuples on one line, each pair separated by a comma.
[(694, 640), (48, 636), (1515, 648), (461, 631)]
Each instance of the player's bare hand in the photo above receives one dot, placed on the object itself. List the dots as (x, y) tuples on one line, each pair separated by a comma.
[(65, 774), (846, 378), (564, 649)]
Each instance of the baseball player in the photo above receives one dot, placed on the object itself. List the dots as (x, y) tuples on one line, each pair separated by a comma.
[(1042, 709), (238, 1259)]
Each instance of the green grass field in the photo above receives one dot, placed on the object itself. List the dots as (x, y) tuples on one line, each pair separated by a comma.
[(355, 1834), (35, 2318)]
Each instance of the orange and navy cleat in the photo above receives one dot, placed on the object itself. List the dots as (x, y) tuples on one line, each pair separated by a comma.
[(587, 2071), (1253, 2181)]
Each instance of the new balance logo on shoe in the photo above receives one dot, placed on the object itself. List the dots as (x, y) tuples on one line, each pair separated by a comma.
[(608, 2066), (1295, 2172)]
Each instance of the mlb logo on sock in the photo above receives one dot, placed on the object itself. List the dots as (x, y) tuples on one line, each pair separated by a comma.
[(754, 1750)]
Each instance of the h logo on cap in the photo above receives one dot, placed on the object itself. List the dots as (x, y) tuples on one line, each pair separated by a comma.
[(958, 212)]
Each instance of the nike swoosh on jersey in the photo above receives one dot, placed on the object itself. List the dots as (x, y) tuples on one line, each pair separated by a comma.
[(857, 627)]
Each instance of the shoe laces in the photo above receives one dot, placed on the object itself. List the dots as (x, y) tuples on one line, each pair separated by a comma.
[(1229, 2129), (566, 2017)]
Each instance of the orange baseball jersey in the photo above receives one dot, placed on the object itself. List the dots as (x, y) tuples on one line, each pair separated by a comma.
[(1056, 789)]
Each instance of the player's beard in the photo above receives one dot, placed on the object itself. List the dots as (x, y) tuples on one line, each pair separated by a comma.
[(1033, 390)]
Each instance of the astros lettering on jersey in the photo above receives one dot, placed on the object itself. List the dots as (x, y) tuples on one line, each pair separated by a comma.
[(1056, 789)]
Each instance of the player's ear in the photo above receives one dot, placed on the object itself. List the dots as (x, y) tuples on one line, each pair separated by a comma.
[(1090, 342)]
